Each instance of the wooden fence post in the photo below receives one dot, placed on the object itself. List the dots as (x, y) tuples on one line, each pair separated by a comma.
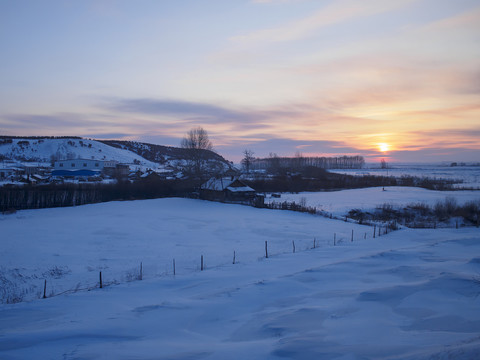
[(233, 257), (45, 289), (293, 243), (101, 283), (374, 230), (334, 239), (174, 266), (141, 271), (201, 263), (266, 249), (351, 240), (314, 243)]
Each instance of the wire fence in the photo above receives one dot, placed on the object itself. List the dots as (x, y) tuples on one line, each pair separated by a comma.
[(17, 287), (54, 282)]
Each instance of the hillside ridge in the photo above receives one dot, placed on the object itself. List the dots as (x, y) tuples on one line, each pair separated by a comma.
[(52, 148)]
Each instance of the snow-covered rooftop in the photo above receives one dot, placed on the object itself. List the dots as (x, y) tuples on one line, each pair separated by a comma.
[(232, 184)]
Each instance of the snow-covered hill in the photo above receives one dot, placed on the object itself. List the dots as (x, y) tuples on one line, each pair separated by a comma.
[(48, 149)]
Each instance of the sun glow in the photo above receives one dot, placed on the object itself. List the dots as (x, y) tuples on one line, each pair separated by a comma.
[(383, 147)]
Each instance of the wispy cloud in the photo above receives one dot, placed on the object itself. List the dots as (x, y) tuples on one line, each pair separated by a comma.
[(197, 112), (435, 154), (336, 12), (46, 122), (274, 1), (184, 109), (66, 124), (108, 136)]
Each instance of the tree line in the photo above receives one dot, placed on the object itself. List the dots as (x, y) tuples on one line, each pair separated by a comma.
[(316, 179), (60, 195), (298, 162)]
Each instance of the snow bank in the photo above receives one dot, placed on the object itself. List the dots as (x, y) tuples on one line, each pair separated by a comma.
[(412, 294), (339, 203), (70, 246)]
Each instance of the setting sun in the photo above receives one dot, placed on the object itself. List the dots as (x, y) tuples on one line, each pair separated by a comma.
[(383, 147)]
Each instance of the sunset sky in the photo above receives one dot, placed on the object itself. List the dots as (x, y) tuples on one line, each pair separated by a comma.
[(396, 79)]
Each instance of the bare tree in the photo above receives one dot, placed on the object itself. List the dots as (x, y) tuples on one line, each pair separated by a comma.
[(197, 143), (274, 163), (298, 161), (247, 159), (197, 138)]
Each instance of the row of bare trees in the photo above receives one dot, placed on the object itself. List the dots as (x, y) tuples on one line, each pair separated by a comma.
[(274, 163), (197, 140)]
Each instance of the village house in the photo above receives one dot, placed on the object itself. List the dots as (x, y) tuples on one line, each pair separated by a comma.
[(122, 171), (110, 164), (6, 173), (228, 189), (115, 169), (78, 167)]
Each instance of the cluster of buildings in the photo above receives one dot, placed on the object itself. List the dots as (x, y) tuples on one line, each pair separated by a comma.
[(90, 168), (224, 189), (16, 172), (79, 169)]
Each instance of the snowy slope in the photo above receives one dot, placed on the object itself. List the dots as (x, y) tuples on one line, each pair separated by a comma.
[(412, 294), (115, 237), (141, 156), (43, 150), (339, 203)]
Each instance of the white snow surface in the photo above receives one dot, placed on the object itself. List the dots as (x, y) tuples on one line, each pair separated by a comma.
[(410, 294), (468, 175), (43, 149), (339, 203)]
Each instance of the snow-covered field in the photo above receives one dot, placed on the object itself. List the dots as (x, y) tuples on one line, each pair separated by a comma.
[(69, 246), (339, 203), (411, 294), (469, 175)]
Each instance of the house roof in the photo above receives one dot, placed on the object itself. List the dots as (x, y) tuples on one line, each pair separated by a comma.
[(222, 184), (149, 174), (240, 189), (12, 168), (38, 177), (80, 159)]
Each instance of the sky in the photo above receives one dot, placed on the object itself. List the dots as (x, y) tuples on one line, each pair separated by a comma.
[(397, 79)]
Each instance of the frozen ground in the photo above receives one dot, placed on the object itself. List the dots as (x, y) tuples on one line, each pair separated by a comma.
[(69, 246), (469, 175), (339, 203), (412, 294)]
